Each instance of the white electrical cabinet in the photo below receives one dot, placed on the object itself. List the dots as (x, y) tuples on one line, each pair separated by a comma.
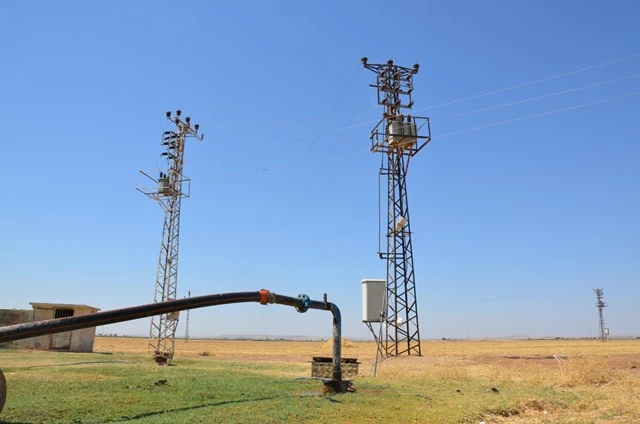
[(373, 294)]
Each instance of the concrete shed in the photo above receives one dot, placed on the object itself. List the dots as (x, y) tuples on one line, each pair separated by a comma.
[(71, 341)]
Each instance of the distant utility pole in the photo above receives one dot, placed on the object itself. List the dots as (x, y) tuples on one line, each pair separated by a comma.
[(601, 305), (168, 189), (397, 138), (186, 328)]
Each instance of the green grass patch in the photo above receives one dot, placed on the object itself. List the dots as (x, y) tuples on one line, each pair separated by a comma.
[(50, 387)]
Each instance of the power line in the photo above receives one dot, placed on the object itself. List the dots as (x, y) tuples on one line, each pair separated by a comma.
[(324, 161), (501, 90), (479, 301), (501, 105), (468, 130), (247, 122), (522, 118), (254, 128), (506, 298), (537, 115), (287, 165), (557, 93), (276, 152), (513, 87), (350, 126), (297, 168)]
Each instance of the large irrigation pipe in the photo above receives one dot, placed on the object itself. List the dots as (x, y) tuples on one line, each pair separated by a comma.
[(302, 303)]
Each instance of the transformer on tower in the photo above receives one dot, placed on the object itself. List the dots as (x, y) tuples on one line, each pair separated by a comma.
[(168, 189), (398, 137)]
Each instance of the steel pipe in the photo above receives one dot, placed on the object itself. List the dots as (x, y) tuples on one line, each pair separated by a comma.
[(60, 325), (302, 303)]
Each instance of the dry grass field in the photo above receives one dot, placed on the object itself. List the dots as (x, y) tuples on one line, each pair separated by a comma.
[(604, 375), (532, 381)]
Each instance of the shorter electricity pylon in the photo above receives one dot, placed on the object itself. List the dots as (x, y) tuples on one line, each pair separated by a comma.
[(604, 332), (168, 189), (186, 328)]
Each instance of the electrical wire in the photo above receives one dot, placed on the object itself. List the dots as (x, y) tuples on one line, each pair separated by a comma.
[(557, 93), (288, 165), (506, 299), (501, 90), (485, 300), (293, 204), (315, 136), (513, 87), (252, 128), (276, 152), (297, 168), (251, 122), (465, 130), (536, 115), (345, 156), (350, 126)]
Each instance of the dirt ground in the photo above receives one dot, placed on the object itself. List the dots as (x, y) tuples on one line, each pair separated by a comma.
[(617, 361)]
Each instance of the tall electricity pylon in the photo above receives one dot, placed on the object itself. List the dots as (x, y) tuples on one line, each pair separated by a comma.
[(168, 189), (601, 305), (397, 137)]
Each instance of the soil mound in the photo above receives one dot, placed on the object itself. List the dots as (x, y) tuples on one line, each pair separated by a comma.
[(345, 343)]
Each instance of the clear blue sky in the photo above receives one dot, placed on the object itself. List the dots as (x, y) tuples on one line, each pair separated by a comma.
[(514, 224)]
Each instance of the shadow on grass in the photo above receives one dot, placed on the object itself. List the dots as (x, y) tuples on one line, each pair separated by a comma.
[(186, 408)]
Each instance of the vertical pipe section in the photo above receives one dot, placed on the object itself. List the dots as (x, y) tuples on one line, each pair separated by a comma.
[(302, 303), (337, 335)]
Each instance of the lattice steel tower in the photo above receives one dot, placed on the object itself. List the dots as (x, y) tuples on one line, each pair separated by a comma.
[(168, 189), (186, 326), (397, 137), (601, 305)]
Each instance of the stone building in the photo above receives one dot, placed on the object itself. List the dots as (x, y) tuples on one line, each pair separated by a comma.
[(71, 341)]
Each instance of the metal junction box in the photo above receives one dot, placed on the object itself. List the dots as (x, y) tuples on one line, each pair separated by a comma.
[(373, 294)]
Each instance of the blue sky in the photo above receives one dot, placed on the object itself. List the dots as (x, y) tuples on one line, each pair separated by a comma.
[(514, 224)]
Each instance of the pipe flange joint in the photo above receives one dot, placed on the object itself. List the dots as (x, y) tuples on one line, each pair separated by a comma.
[(303, 304)]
